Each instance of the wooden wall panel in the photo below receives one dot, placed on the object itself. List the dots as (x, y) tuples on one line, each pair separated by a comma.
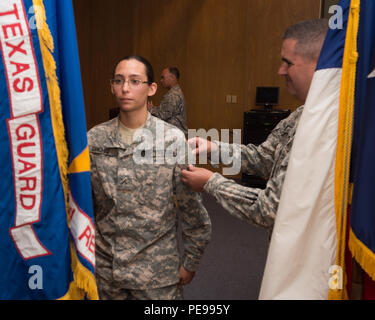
[(205, 40), (104, 32), (269, 19), (221, 47)]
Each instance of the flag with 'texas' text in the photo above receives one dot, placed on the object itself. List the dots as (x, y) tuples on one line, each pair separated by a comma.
[(47, 236)]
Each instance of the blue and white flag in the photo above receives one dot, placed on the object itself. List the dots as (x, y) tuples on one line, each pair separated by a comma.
[(362, 217), (301, 262), (331, 171), (47, 237)]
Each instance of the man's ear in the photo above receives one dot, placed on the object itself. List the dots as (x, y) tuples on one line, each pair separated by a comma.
[(152, 89), (112, 91)]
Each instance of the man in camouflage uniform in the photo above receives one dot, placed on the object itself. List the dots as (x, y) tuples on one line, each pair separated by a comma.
[(172, 107), (257, 206), (302, 44), (133, 184)]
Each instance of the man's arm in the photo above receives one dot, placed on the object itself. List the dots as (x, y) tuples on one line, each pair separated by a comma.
[(253, 159), (256, 160), (255, 206)]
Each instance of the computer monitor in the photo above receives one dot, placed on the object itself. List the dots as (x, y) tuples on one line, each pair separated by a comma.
[(267, 97)]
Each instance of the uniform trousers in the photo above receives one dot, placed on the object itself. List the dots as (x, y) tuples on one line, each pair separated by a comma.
[(114, 291)]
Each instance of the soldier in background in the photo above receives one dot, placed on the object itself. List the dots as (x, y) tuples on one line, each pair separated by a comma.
[(300, 52), (135, 215), (172, 108)]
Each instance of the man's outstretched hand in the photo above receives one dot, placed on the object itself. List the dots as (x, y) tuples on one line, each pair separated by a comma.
[(196, 178), (200, 145)]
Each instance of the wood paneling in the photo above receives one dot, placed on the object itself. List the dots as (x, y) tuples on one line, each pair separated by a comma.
[(326, 4), (104, 32), (221, 47), (269, 20), (204, 39)]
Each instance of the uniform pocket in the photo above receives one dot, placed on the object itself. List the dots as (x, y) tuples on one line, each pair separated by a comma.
[(104, 169), (154, 179), (147, 176)]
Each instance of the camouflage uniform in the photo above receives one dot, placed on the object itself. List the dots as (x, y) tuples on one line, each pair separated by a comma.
[(172, 109), (135, 213), (268, 160)]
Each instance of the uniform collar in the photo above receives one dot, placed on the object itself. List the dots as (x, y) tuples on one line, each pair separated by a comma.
[(114, 137)]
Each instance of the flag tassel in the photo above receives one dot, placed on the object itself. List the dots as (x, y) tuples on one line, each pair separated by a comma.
[(84, 281), (364, 256), (83, 278)]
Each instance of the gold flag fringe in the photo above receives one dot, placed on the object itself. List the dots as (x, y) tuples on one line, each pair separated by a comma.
[(84, 280), (364, 256), (344, 140)]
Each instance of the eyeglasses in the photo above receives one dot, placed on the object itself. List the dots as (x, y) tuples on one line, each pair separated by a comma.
[(133, 83)]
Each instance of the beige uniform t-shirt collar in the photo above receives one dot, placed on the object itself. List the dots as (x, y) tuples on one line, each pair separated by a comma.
[(126, 133)]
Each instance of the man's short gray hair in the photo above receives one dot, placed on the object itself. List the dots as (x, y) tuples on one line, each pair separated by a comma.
[(175, 72), (310, 35)]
